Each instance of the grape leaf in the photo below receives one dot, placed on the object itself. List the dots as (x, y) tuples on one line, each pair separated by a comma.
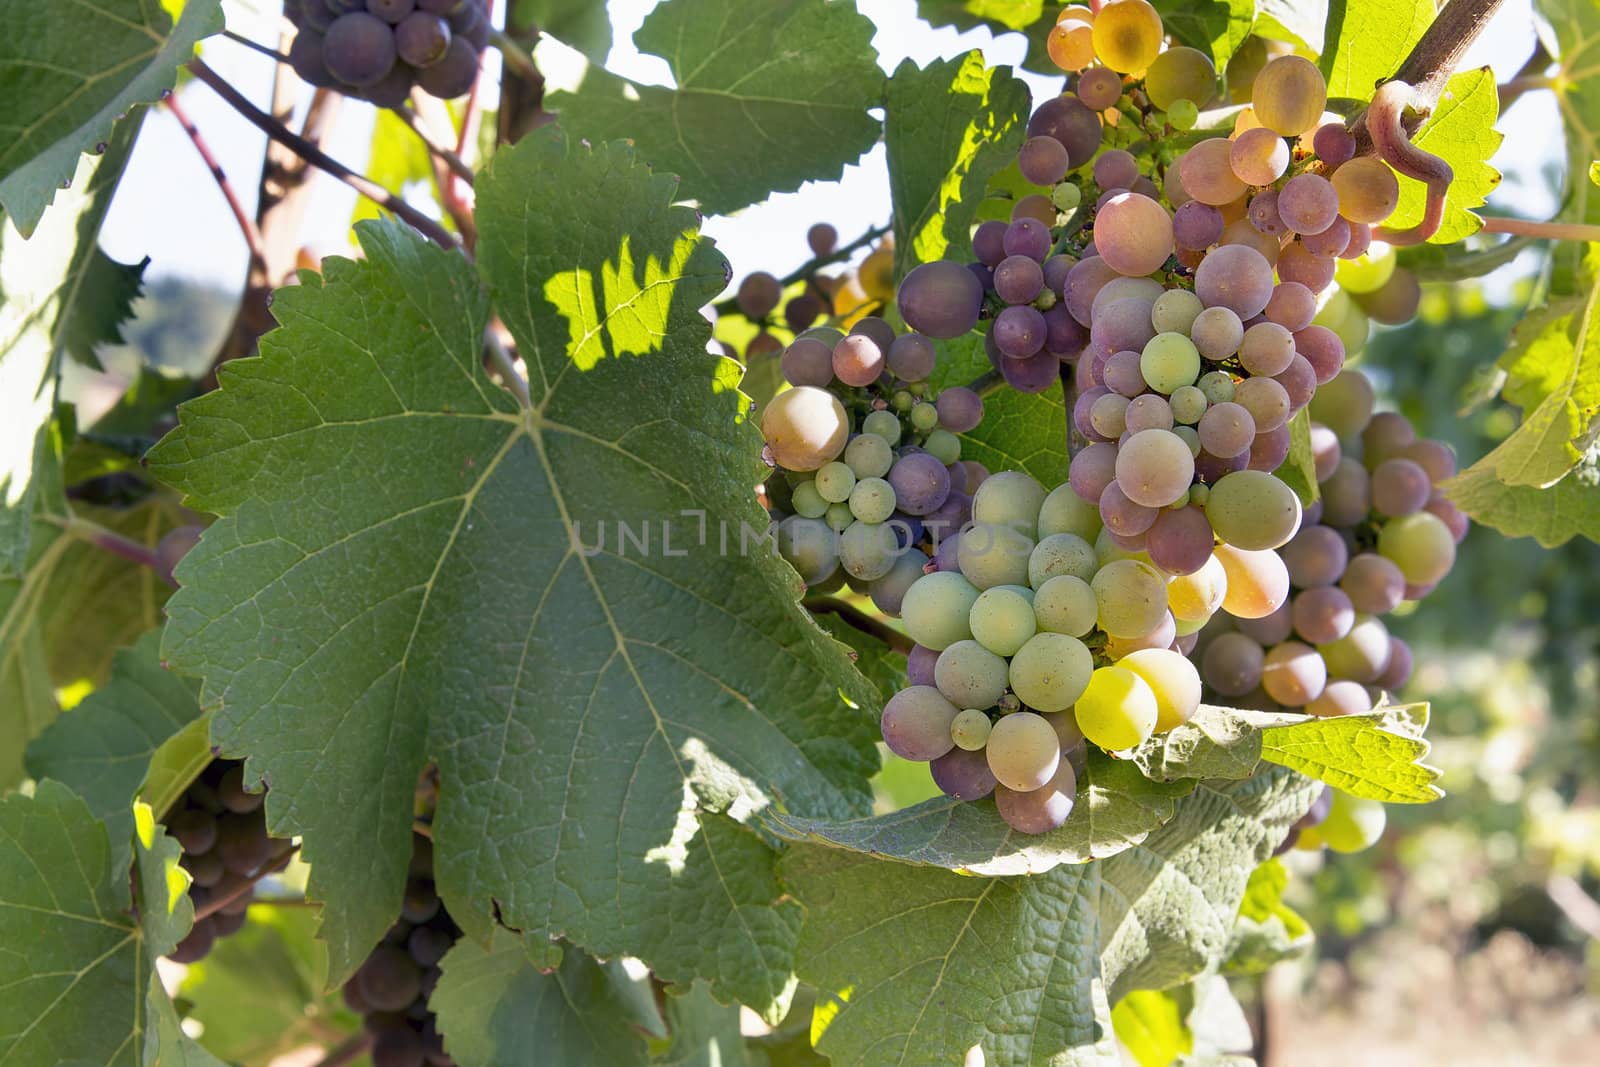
[(494, 1007), (103, 748), (1575, 25), (1268, 930), (1357, 754), (1552, 516), (703, 1032), (947, 128), (1301, 22), (1020, 431), (1215, 743), (768, 96), (1461, 132), (1116, 809), (71, 70), (882, 667), (52, 297), (1216, 27), (1299, 469), (1216, 1019), (965, 14), (582, 24), (1150, 1024), (585, 747), (78, 966), (1366, 40), (926, 963), (1540, 355), (165, 1043)]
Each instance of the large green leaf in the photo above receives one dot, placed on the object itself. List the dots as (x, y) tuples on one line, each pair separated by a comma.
[(590, 710), (78, 964), (1360, 754), (103, 748), (56, 294), (582, 24), (1001, 15), (927, 963), (495, 1007), (703, 1032), (1552, 516), (1302, 22), (1150, 1025), (1461, 132), (1217, 27), (69, 71), (1366, 40), (768, 96), (948, 128), (1575, 28)]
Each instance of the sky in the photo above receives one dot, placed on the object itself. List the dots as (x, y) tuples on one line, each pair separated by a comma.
[(169, 209)]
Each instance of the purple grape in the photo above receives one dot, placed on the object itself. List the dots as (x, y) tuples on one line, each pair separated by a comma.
[(960, 409), (1270, 449), (1063, 336), (908, 528), (1265, 400), (1208, 468), (807, 362), (1099, 88), (1081, 410), (1123, 516), (984, 274), (945, 556), (1019, 331), (919, 665), (911, 357), (1236, 277), (1123, 325), (1323, 350), (1115, 169), (872, 326), (1316, 556), (1399, 487), (1033, 375), (359, 49), (1122, 374), (988, 242), (305, 56), (1196, 226), (1297, 264), (1027, 237), (1398, 672), (920, 483), (1226, 431), (1040, 810), (1042, 160), (1322, 615), (1447, 512), (1360, 240), (453, 75), (1299, 381), (1263, 213), (1291, 306), (1308, 204), (962, 774), (1067, 120), (857, 360), (1056, 269), (1018, 279), (422, 39), (944, 520), (1092, 470), (941, 299), (1330, 242), (1333, 144), (1180, 540), (1084, 282), (1269, 629)]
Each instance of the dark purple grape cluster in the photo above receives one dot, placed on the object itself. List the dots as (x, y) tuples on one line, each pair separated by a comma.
[(222, 827), (378, 49), (391, 989)]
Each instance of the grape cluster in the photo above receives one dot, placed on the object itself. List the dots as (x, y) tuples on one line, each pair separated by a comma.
[(222, 828), (1382, 533), (391, 988), (869, 477), (378, 49), (846, 298), (1033, 633)]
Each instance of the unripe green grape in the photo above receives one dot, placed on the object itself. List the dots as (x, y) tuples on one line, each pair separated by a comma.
[(1183, 114), (810, 547), (1188, 404), (924, 417), (1253, 510), (1011, 499), (1064, 511), (835, 481), (1180, 73), (872, 500), (1345, 317), (1175, 310), (869, 455), (1344, 405), (1002, 621), (1199, 493), (1173, 680), (902, 401), (1421, 545), (1117, 709), (970, 730), (1217, 386), (1058, 554), (1066, 604), (970, 675), (1132, 597), (1368, 272), (883, 424), (1360, 655), (1021, 590), (1023, 751), (1066, 197), (807, 501), (1050, 671), (839, 517), (991, 555), (943, 446), (1353, 823), (804, 427), (1169, 360), (936, 610), (1108, 551), (868, 550)]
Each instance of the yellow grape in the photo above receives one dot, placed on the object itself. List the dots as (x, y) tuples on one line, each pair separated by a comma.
[(1070, 44), (1181, 73), (851, 303), (1172, 678), (1241, 232), (1206, 171), (1243, 68), (1258, 582), (1127, 35), (1118, 710), (1289, 95), (1244, 122), (1196, 597), (876, 273), (1368, 190)]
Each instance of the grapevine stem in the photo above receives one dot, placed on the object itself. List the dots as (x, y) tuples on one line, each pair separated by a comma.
[(348, 1051), (92, 533), (501, 359), (273, 866), (1386, 126), (471, 118), (447, 156), (247, 224), (420, 827), (1433, 60), (320, 159), (515, 56), (1556, 231), (266, 50), (827, 605), (810, 267)]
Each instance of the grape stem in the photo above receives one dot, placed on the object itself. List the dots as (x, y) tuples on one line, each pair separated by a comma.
[(92, 533), (347, 1051), (247, 224), (1068, 373), (266, 50), (500, 359), (320, 159), (1386, 126), (439, 152), (853, 616), (273, 866), (1556, 231), (515, 56), (1433, 59), (805, 270)]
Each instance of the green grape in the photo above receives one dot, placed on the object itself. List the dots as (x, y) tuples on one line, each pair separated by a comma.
[(1188, 404), (1062, 553), (1132, 597), (1002, 620), (1066, 197), (807, 501), (943, 446), (839, 517), (1345, 317), (936, 610), (1217, 387), (1421, 545), (970, 675), (1344, 405), (1023, 751), (991, 555), (810, 547), (1065, 604), (924, 417), (872, 500), (1368, 272), (1174, 681), (1353, 823), (970, 730), (1180, 73), (868, 550), (804, 427), (1360, 655), (1011, 499), (902, 401), (834, 482), (1108, 551), (1049, 672), (1169, 360), (1117, 709), (1253, 510), (884, 424), (1064, 511), (1183, 114), (1289, 95), (1199, 493), (1175, 311), (1021, 590), (868, 455)]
